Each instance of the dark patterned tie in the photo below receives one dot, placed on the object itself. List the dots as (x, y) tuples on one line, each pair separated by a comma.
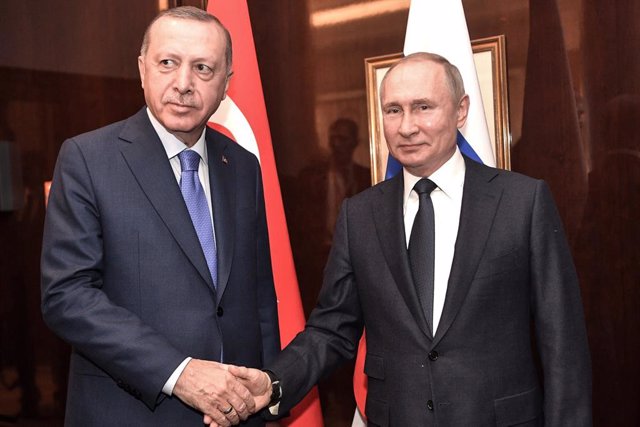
[(421, 248), (197, 205)]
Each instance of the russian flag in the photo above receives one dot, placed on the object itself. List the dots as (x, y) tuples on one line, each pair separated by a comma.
[(243, 116), (440, 27)]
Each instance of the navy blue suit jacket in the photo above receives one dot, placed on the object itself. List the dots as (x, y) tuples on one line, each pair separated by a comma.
[(125, 281)]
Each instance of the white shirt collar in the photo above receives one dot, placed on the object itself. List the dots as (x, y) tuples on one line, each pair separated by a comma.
[(449, 178), (172, 145)]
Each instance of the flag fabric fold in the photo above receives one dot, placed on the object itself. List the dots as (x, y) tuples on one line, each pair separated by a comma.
[(438, 27), (243, 117)]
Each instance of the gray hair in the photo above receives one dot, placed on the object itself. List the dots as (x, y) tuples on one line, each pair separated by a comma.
[(452, 74), (194, 14)]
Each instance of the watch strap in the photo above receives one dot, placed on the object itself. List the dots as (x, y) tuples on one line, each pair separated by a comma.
[(276, 388)]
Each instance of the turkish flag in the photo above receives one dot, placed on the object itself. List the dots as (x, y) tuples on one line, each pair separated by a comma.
[(243, 117)]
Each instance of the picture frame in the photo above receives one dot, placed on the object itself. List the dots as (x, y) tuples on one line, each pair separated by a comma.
[(489, 55)]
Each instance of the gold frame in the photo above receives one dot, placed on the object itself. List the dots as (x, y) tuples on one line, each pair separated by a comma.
[(492, 75)]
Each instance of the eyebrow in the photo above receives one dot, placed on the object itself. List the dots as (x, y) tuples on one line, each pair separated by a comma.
[(413, 102), (421, 101), (174, 53)]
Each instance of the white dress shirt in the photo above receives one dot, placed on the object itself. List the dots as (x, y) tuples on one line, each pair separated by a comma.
[(447, 202), (173, 146)]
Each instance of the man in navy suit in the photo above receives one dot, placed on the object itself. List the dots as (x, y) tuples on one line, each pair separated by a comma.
[(152, 304), (455, 350)]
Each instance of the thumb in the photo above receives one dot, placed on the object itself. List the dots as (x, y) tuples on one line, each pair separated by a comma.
[(239, 371)]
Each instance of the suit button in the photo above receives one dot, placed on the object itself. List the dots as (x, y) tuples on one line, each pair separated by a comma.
[(430, 405), (220, 312), (433, 356)]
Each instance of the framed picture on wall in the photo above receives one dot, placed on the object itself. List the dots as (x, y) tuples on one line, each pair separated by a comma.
[(489, 55)]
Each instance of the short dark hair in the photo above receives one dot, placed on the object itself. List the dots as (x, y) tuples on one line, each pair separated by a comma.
[(194, 14), (453, 76)]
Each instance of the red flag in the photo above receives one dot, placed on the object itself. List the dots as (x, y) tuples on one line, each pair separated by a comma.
[(243, 115), (360, 384)]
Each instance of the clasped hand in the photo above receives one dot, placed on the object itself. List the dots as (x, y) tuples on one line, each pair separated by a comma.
[(226, 394)]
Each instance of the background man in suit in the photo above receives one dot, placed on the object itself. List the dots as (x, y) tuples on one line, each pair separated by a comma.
[(320, 189), (456, 351), (156, 263)]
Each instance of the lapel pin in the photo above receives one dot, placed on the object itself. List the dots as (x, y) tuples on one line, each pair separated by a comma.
[(224, 160)]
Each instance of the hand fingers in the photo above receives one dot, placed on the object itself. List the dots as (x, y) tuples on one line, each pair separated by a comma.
[(229, 392), (250, 378), (220, 419), (240, 408), (244, 374), (229, 414), (240, 398), (238, 371), (232, 415), (242, 411)]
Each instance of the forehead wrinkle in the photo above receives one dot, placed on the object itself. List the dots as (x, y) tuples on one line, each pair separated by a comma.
[(178, 33)]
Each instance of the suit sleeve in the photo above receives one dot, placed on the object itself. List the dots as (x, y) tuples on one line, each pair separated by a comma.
[(267, 302), (334, 327), (559, 319), (73, 304)]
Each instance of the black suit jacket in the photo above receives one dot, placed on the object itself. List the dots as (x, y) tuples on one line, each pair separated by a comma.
[(511, 265), (125, 280)]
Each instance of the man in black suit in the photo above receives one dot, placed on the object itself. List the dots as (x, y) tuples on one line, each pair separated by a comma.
[(155, 263), (449, 345)]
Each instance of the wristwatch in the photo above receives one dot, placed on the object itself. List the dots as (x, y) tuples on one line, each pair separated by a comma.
[(276, 390)]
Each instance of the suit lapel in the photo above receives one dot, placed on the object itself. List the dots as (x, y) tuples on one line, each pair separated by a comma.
[(222, 174), (147, 160), (479, 203), (389, 222)]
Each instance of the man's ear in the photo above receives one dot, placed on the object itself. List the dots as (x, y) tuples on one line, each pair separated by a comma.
[(141, 70), (463, 110), (226, 84)]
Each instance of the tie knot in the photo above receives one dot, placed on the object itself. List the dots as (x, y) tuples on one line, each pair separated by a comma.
[(423, 186), (189, 160)]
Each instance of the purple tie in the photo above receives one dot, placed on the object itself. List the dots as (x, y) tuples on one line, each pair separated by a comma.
[(197, 205)]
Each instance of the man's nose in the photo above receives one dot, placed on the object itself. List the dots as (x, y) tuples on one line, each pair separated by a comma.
[(407, 125), (184, 80)]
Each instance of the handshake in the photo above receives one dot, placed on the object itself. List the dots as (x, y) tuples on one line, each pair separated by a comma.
[(226, 394)]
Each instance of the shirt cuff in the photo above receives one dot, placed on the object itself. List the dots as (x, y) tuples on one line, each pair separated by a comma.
[(275, 409), (173, 379)]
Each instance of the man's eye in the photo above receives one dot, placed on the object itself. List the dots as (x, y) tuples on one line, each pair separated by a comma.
[(392, 110), (205, 69), (423, 107), (168, 64)]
